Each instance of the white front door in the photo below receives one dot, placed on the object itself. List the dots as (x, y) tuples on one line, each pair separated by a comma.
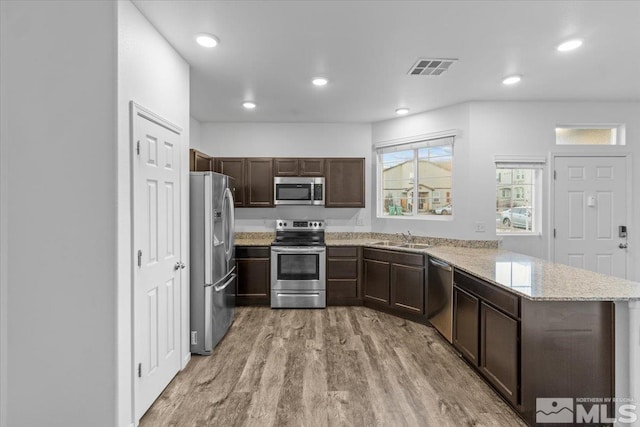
[(157, 270), (590, 205)]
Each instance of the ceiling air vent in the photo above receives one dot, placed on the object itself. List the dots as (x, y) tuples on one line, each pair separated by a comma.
[(431, 67)]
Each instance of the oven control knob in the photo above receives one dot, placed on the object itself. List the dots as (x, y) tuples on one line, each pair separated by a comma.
[(285, 224), (280, 224)]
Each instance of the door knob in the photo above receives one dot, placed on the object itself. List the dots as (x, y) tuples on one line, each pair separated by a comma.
[(623, 246)]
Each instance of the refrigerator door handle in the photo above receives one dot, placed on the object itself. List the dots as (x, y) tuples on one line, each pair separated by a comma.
[(208, 229), (229, 218), (208, 319), (219, 288)]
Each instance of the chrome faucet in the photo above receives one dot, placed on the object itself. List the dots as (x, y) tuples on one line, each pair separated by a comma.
[(408, 237)]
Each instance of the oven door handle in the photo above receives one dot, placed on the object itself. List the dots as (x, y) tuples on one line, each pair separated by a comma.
[(298, 249)]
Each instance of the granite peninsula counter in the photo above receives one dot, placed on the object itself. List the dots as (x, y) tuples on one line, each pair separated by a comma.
[(529, 277)]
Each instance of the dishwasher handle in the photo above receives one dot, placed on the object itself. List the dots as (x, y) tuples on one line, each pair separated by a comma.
[(440, 264)]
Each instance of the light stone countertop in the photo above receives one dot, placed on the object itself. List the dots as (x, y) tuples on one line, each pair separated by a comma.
[(529, 277), (254, 241), (535, 278)]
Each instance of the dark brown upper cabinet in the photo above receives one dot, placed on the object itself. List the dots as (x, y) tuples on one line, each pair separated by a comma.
[(298, 167), (259, 182), (311, 167), (235, 168), (200, 162), (345, 183)]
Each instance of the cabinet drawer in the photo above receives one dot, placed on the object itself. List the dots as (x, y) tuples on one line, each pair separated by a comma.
[(342, 269), (342, 252), (253, 252), (505, 301), (394, 257)]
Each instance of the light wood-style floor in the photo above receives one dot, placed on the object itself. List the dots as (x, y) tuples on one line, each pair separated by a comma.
[(348, 366)]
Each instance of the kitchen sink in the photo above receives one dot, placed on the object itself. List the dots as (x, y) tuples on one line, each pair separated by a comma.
[(388, 243), (384, 243), (415, 245)]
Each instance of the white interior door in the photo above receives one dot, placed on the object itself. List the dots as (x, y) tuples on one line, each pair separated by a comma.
[(590, 204), (157, 272)]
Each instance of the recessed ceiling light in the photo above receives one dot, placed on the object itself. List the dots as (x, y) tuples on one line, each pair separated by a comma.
[(207, 40), (249, 105), (511, 80), (569, 45), (319, 81), (402, 111)]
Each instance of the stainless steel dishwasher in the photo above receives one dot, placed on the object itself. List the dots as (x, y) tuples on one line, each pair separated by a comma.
[(440, 296)]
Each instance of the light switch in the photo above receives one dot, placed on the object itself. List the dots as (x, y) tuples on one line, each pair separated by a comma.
[(591, 201)]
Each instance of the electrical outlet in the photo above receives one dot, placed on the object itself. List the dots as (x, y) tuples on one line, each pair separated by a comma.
[(194, 337), (481, 227), (360, 221)]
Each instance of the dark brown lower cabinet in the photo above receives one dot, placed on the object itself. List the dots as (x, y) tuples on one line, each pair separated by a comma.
[(253, 269), (394, 281), (343, 276), (376, 281), (466, 310), (567, 349), (499, 351), (407, 288)]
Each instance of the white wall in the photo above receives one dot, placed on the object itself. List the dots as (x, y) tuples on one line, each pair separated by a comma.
[(195, 131), (4, 164), (294, 140), (506, 128), (154, 76), (58, 212), (528, 128)]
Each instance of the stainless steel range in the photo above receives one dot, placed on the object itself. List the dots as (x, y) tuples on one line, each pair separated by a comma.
[(298, 265)]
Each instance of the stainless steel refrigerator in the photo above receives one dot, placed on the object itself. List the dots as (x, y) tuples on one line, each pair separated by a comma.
[(213, 266)]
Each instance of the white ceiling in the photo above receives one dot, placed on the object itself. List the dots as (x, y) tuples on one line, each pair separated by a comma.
[(270, 50)]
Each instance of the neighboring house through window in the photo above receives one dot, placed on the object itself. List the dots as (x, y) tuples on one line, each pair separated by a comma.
[(518, 203), (414, 177)]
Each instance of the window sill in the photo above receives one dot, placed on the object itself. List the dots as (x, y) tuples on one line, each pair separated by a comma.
[(419, 218), (519, 233)]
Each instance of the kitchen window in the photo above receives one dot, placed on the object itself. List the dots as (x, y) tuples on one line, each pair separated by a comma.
[(518, 200), (415, 178)]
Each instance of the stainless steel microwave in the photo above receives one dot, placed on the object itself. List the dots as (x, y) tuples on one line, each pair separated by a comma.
[(299, 190)]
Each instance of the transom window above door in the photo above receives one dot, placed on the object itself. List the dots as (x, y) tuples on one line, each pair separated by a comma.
[(591, 134)]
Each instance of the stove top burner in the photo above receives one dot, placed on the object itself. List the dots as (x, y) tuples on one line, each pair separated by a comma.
[(299, 233)]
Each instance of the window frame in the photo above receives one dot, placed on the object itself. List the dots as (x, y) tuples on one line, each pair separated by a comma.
[(413, 143), (537, 166)]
